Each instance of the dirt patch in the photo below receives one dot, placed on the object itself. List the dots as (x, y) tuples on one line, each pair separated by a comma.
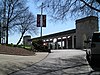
[(15, 51)]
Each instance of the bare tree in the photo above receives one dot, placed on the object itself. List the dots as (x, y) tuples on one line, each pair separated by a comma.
[(63, 9), (98, 1), (10, 10), (26, 23)]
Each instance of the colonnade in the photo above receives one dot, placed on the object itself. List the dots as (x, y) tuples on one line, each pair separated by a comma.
[(63, 42)]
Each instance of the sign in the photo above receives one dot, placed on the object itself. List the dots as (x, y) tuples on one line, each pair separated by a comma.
[(39, 20), (44, 21)]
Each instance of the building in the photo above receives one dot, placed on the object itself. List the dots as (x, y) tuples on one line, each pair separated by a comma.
[(73, 38), (84, 29), (25, 40)]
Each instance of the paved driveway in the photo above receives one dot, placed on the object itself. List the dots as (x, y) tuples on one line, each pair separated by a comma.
[(61, 62), (12, 63)]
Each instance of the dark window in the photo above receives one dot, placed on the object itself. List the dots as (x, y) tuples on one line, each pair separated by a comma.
[(96, 37)]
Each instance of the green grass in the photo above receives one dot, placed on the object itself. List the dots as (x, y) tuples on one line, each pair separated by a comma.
[(27, 47)]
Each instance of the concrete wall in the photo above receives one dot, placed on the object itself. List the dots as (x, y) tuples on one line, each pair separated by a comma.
[(84, 29), (25, 40)]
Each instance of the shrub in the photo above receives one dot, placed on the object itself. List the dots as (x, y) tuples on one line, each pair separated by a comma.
[(11, 45), (38, 45)]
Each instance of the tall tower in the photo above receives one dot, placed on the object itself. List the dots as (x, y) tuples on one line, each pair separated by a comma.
[(84, 29)]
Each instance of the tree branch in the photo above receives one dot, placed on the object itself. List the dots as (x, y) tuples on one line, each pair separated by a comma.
[(90, 6)]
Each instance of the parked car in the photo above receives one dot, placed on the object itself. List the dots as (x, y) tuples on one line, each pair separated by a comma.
[(93, 54)]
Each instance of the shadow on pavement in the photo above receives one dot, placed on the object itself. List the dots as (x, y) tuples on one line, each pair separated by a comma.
[(95, 65), (60, 66), (71, 66), (17, 69)]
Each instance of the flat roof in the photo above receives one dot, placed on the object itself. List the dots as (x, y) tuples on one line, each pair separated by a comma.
[(57, 34), (86, 18)]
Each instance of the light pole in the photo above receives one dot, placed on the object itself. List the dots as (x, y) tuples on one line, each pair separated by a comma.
[(41, 19)]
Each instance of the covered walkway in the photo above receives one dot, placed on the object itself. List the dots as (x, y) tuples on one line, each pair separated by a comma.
[(61, 40)]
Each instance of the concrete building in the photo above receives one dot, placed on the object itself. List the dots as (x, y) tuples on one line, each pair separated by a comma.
[(73, 38), (25, 40), (84, 29)]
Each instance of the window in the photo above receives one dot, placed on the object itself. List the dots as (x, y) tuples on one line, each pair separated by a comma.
[(96, 37)]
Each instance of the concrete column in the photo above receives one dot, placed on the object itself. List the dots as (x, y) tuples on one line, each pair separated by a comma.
[(61, 43), (49, 44), (57, 43), (66, 43), (73, 41), (54, 43)]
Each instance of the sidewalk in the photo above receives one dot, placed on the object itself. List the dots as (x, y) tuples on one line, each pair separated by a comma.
[(12, 63)]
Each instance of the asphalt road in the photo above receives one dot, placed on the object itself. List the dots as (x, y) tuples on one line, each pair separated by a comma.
[(61, 62)]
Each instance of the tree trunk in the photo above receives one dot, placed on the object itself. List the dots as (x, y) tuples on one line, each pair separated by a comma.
[(20, 38)]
